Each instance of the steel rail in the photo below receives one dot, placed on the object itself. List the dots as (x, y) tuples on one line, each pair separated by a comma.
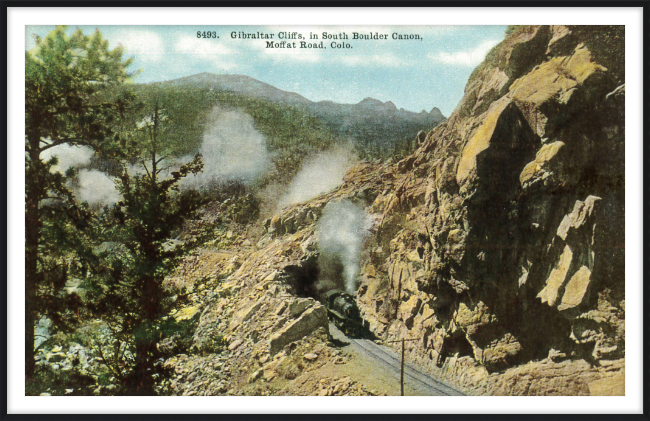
[(414, 372), (428, 384)]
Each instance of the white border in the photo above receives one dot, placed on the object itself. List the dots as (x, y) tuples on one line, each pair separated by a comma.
[(631, 17)]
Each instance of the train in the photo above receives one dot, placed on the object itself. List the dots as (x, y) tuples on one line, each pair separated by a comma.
[(343, 311)]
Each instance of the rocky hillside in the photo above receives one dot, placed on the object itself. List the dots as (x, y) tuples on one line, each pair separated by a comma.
[(499, 244), (497, 248)]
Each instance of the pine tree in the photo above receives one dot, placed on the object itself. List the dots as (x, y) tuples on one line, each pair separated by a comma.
[(64, 79), (153, 207)]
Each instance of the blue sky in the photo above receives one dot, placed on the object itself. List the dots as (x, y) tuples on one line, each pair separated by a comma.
[(413, 74)]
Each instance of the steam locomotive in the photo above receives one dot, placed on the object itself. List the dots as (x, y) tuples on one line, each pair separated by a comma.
[(343, 312)]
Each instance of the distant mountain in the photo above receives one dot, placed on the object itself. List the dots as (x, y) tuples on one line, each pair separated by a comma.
[(243, 85), (436, 114), (372, 123)]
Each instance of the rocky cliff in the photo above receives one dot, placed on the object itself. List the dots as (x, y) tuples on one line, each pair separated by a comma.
[(503, 242), (498, 244)]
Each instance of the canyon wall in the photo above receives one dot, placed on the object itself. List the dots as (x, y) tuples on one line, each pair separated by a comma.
[(503, 240)]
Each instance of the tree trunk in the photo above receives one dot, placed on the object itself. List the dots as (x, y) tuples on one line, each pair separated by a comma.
[(31, 272), (34, 193), (140, 382)]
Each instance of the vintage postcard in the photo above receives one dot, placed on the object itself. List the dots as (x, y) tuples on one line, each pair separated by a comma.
[(292, 210)]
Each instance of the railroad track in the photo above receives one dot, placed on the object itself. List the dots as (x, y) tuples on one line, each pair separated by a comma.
[(387, 364), (415, 378)]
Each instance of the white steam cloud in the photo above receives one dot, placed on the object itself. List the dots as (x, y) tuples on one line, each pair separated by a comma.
[(96, 188), (232, 150), (341, 231), (68, 156), (318, 175)]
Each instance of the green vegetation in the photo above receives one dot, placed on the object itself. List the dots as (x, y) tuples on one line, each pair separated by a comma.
[(132, 300), (67, 104), (292, 132), (63, 77)]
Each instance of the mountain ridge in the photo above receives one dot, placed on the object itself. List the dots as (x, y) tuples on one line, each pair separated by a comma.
[(250, 86), (380, 128)]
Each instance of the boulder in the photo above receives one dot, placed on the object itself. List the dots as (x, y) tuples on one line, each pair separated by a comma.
[(298, 306), (167, 346), (42, 331), (256, 375), (576, 289), (186, 313), (556, 79), (546, 170), (280, 308), (245, 314), (73, 287), (556, 279), (55, 357), (307, 323), (582, 211), (499, 353), (235, 344)]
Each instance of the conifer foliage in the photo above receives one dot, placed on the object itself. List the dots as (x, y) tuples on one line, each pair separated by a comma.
[(64, 78), (121, 252), (132, 300)]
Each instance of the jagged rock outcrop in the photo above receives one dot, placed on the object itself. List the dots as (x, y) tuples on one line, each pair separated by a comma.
[(504, 239)]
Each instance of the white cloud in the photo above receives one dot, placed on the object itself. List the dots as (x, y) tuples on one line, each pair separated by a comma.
[(232, 149), (318, 175), (211, 50), (188, 44), (144, 44), (385, 60), (466, 58)]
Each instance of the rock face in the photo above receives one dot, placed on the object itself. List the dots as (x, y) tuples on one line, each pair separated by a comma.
[(516, 246)]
